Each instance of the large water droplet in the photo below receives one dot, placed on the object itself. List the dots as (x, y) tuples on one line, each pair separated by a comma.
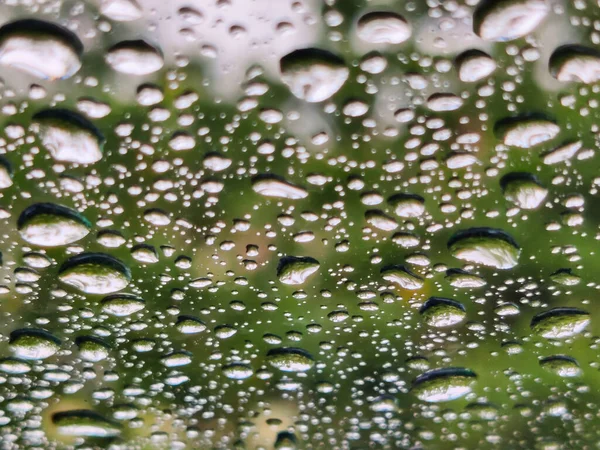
[(505, 20), (42, 49), (33, 343), (290, 359), (382, 27), (84, 423), (575, 63), (312, 74), (134, 58), (560, 323), (95, 273), (52, 225), (443, 385), (296, 269), (488, 246), (69, 137)]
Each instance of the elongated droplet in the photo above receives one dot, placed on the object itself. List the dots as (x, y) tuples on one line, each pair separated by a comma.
[(69, 137), (42, 49), (52, 225), (95, 273)]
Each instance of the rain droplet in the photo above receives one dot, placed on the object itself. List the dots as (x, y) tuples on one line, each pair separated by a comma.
[(290, 359), (506, 20), (52, 225), (560, 323), (312, 74), (134, 58), (42, 49), (295, 270), (382, 27), (95, 273), (443, 385), (69, 137), (487, 246), (33, 343)]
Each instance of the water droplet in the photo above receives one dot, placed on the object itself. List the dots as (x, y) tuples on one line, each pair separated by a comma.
[(474, 65), (52, 225), (95, 273), (441, 312), (42, 49), (33, 343), (443, 385), (523, 189), (134, 58), (290, 359), (506, 20), (273, 186), (312, 74), (487, 246), (526, 131), (561, 365), (402, 277), (575, 63), (122, 305), (560, 323), (69, 137), (84, 423), (382, 27), (121, 10), (295, 270)]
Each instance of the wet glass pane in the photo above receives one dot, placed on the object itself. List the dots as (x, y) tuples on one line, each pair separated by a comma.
[(299, 224)]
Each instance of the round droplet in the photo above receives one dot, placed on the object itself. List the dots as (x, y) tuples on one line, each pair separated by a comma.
[(290, 359), (295, 270), (52, 225), (274, 186), (144, 253), (506, 20), (122, 305), (237, 371), (442, 102), (134, 58), (560, 323), (443, 385), (565, 277), (69, 137), (441, 312), (190, 325), (92, 349), (312, 74), (382, 27), (487, 246), (84, 423), (176, 359), (575, 63), (95, 273), (461, 279), (33, 344), (42, 49), (380, 220), (121, 10), (561, 365), (526, 132), (474, 65), (402, 276), (407, 205), (523, 189)]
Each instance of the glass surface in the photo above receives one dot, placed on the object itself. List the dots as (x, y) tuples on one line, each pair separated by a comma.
[(296, 224)]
